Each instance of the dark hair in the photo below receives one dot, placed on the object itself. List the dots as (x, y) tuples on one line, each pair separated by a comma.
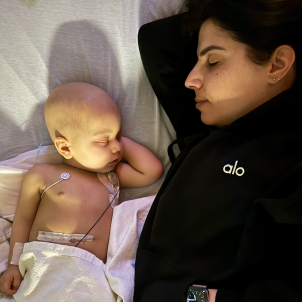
[(262, 25)]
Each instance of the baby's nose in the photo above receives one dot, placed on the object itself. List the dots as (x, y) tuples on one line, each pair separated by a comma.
[(115, 146)]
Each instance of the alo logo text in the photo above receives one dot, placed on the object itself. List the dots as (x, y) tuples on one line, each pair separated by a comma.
[(229, 169)]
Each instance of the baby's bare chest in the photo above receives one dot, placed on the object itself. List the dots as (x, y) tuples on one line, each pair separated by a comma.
[(73, 205), (77, 192)]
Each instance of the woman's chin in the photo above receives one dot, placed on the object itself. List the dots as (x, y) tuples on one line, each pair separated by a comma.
[(207, 120)]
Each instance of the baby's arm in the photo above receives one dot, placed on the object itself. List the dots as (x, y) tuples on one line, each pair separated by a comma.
[(25, 214), (143, 167)]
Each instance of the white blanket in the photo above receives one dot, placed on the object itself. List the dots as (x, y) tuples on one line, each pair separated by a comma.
[(54, 272)]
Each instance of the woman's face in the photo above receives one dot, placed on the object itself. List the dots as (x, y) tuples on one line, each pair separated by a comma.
[(227, 85)]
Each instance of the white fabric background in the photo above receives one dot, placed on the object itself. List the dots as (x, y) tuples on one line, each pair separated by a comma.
[(47, 43)]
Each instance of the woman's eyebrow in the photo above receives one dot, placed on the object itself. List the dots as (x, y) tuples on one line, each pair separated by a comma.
[(209, 48)]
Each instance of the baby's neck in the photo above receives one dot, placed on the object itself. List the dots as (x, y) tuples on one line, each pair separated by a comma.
[(75, 164)]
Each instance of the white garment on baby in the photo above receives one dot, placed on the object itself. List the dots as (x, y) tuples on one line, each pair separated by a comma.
[(53, 272)]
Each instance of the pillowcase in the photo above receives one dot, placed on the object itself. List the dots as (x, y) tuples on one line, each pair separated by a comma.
[(12, 172)]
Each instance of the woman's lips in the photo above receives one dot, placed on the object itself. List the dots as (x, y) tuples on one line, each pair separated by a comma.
[(200, 102)]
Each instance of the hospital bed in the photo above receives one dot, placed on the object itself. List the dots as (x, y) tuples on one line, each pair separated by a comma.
[(47, 43)]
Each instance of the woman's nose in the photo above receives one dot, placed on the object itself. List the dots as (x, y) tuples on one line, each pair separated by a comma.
[(194, 80), (115, 146)]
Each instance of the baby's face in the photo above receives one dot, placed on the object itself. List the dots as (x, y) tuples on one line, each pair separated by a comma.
[(99, 148)]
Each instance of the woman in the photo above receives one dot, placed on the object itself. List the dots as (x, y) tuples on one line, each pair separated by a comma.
[(229, 213)]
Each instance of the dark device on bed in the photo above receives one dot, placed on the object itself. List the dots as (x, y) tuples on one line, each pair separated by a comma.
[(197, 293)]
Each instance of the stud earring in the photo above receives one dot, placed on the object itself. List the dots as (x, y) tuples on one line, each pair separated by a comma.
[(278, 79), (274, 80)]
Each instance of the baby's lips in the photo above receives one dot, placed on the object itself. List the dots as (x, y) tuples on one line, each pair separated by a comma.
[(117, 159)]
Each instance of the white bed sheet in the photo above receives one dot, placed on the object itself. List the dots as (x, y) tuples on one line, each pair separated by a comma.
[(47, 43)]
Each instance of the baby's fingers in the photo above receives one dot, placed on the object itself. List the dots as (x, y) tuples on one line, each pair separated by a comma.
[(6, 287), (16, 283)]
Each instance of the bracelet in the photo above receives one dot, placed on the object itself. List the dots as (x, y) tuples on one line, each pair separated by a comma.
[(17, 251)]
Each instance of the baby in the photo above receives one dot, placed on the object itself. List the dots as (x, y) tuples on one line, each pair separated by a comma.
[(59, 203)]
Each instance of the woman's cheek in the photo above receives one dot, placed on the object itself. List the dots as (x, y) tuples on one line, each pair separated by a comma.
[(218, 82)]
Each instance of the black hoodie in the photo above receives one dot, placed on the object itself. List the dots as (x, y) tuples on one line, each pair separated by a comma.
[(229, 213)]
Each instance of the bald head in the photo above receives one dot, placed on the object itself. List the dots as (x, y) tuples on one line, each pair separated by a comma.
[(72, 107)]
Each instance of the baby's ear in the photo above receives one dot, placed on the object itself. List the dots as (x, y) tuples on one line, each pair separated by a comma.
[(62, 145)]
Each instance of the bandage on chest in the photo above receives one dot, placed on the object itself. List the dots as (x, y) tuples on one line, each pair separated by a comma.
[(62, 237), (17, 251)]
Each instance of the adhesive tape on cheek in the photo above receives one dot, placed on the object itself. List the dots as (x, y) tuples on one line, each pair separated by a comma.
[(17, 251)]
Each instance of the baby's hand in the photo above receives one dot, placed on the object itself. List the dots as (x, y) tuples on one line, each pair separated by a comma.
[(10, 280)]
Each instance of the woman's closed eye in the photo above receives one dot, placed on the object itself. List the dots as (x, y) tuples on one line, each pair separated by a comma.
[(213, 63)]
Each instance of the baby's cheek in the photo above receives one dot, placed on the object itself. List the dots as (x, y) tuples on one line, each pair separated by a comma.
[(122, 148)]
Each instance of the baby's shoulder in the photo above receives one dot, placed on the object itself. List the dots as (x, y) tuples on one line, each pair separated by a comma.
[(39, 172), (41, 169)]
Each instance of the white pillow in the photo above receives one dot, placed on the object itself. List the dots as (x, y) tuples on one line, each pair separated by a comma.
[(12, 171)]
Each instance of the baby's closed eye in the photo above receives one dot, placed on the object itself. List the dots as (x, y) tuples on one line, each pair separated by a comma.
[(104, 142)]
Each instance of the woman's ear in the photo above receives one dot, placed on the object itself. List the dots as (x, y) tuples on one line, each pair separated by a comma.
[(281, 62), (62, 145)]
